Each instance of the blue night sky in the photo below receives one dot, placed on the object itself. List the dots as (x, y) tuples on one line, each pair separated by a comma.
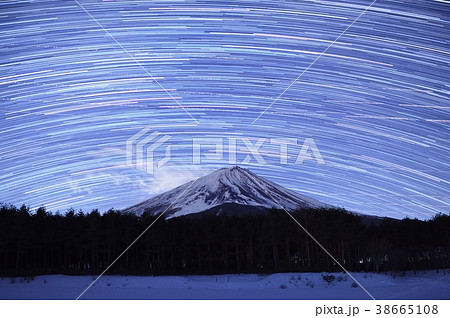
[(376, 103)]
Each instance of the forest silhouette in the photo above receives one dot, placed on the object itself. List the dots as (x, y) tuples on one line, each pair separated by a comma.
[(78, 243)]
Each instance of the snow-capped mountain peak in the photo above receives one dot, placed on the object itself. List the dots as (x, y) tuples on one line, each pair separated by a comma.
[(234, 185)]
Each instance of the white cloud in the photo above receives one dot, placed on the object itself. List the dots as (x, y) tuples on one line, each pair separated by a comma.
[(167, 178)]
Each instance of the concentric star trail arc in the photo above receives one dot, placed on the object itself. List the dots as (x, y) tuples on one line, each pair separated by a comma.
[(73, 89)]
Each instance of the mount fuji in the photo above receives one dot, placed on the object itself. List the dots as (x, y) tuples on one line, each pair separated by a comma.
[(225, 191)]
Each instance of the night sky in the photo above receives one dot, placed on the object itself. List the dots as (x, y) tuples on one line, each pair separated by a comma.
[(78, 79)]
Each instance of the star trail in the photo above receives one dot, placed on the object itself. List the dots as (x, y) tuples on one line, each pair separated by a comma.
[(78, 78)]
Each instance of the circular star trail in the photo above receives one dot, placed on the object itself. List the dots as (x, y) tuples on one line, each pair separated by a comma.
[(79, 78)]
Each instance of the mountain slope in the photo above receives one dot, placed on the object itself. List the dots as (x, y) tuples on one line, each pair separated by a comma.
[(224, 186)]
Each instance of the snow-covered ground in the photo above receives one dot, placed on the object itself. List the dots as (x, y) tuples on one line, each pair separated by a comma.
[(423, 285)]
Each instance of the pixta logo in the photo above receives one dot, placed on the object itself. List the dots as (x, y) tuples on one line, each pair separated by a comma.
[(141, 148), (217, 148), (140, 152)]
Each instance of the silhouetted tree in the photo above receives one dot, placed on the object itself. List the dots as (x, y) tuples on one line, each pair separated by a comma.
[(86, 243)]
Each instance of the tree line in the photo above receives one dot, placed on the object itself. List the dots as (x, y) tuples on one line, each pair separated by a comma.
[(79, 243)]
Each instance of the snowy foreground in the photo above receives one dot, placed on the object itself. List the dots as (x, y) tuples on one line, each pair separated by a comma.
[(423, 285)]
